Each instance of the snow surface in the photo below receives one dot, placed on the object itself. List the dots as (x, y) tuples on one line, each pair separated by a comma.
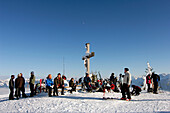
[(87, 102)]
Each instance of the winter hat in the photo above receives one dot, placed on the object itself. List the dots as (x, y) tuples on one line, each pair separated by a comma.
[(126, 69), (32, 72), (87, 74), (19, 75)]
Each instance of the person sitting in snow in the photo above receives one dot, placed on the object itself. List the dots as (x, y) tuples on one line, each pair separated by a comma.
[(87, 82), (58, 83), (49, 84), (72, 85), (64, 77), (136, 90)]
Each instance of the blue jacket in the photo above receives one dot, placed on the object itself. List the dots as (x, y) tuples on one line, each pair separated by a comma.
[(87, 80), (49, 82)]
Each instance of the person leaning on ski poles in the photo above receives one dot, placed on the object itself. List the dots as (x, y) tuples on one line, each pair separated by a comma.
[(126, 85)]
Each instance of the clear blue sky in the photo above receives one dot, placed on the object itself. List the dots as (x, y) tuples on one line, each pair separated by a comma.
[(36, 35)]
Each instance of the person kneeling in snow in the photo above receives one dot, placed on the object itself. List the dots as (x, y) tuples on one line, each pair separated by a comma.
[(136, 90)]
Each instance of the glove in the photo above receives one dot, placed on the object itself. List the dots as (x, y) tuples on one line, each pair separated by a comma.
[(52, 86)]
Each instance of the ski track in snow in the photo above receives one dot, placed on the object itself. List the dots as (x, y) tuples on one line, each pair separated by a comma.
[(87, 102)]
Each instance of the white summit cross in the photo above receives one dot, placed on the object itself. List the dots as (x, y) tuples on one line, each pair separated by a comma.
[(87, 57)]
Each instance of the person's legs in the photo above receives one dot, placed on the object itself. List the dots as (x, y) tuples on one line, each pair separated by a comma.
[(50, 89), (32, 89), (123, 91), (62, 92), (74, 88), (11, 97), (18, 93), (148, 87), (128, 92), (54, 92), (155, 87), (23, 92)]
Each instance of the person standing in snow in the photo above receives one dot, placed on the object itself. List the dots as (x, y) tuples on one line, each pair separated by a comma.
[(126, 85), (23, 86), (49, 84), (120, 81), (58, 83), (11, 87), (18, 86), (32, 82), (155, 78), (148, 81)]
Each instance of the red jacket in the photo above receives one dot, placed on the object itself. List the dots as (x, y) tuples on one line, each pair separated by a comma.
[(148, 79)]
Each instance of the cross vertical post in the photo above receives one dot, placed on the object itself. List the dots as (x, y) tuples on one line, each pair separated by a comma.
[(87, 57)]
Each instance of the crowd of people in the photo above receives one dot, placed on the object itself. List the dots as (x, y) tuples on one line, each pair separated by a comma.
[(19, 86), (87, 83)]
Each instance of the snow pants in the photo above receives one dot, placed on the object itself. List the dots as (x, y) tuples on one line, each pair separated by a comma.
[(155, 87), (56, 90), (32, 89), (23, 91), (11, 95), (17, 92), (125, 88), (73, 89), (148, 87), (49, 90)]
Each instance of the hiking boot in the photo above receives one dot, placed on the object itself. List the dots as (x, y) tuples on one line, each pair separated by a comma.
[(128, 99), (123, 98)]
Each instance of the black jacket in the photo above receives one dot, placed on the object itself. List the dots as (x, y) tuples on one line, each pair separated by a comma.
[(155, 78), (71, 83), (11, 83), (87, 80)]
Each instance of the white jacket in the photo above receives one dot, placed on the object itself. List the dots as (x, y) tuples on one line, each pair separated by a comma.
[(127, 78)]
